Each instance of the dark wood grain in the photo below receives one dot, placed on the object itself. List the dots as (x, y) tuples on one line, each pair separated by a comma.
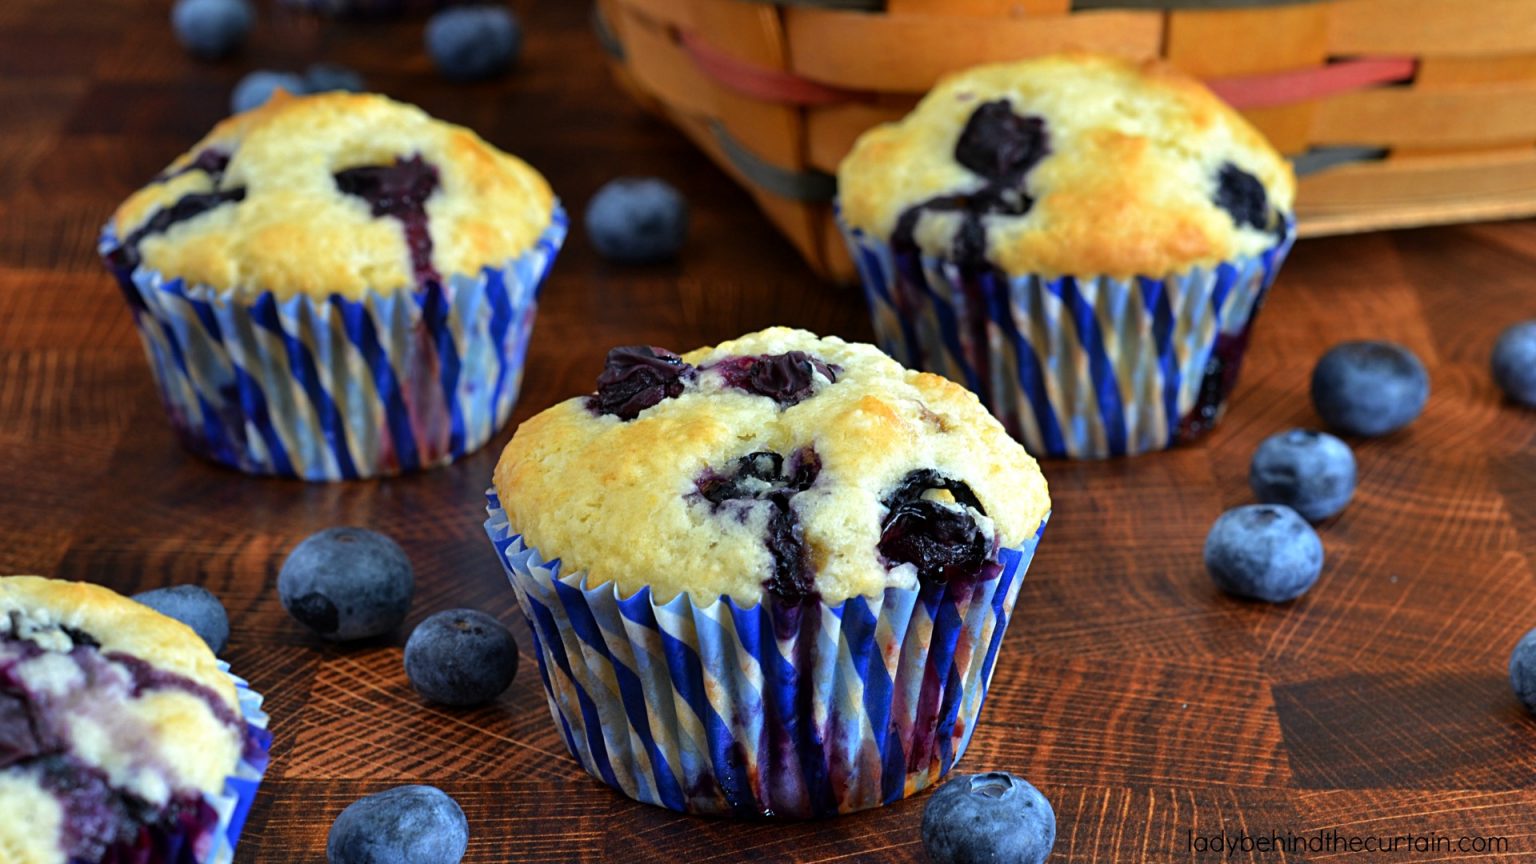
[(1144, 703)]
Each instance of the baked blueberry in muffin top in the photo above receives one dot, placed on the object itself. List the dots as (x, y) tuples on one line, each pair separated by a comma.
[(335, 193), (780, 464), (115, 721), (1069, 165)]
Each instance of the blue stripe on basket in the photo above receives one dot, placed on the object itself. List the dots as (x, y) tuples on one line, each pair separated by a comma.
[(360, 329), (302, 364), (212, 425), (435, 312), (597, 748), (1031, 375), (950, 326), (631, 693), (1100, 368)]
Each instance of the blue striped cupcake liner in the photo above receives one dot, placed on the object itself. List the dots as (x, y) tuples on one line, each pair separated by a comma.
[(771, 710), (233, 804), (1073, 366), (334, 388)]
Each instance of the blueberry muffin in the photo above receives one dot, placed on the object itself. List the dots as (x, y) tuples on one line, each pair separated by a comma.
[(1082, 240), (118, 731), (806, 498), (336, 285)]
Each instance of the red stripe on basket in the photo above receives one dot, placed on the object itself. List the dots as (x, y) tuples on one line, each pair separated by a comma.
[(1251, 91), (1284, 88), (769, 85)]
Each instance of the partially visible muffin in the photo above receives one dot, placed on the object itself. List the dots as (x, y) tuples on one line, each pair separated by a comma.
[(116, 725), (1082, 240), (336, 286), (1070, 164), (336, 193), (778, 462)]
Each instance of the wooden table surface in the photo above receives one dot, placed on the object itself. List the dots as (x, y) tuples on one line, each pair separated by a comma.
[(1142, 702)]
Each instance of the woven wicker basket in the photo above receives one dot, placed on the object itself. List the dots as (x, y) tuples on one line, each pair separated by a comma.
[(1396, 112)]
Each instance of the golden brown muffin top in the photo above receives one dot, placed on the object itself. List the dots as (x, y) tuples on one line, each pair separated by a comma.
[(1077, 164), (336, 193)]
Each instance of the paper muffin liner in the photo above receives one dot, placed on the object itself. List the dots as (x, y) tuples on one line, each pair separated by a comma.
[(770, 710), (334, 388), (233, 804), (1074, 366)]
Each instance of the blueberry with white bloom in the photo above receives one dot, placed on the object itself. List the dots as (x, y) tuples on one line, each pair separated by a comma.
[(637, 219), (1311, 472), (1522, 670), (1514, 362), (211, 29), (469, 43), (1263, 552), (985, 818), (1369, 388), (403, 825)]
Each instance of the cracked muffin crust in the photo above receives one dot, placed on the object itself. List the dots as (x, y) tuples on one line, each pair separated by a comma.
[(1070, 164), (336, 193), (780, 463)]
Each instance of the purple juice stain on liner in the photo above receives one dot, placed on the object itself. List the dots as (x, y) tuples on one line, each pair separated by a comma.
[(637, 377), (787, 379), (1218, 382), (400, 191)]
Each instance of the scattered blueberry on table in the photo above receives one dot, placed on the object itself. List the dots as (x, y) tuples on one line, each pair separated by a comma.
[(193, 606), (1369, 388), (637, 220), (1514, 362), (403, 825), (1522, 670), (469, 43), (1311, 472), (328, 77), (211, 29), (347, 583), (460, 657), (1263, 552), (991, 817), (257, 87)]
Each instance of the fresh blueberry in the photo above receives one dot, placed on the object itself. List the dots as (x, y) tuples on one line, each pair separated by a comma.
[(403, 825), (460, 657), (257, 87), (1369, 388), (986, 818), (211, 29), (347, 583), (326, 77), (193, 606), (637, 220), (1514, 362), (1263, 552), (1310, 472), (1522, 670), (472, 42)]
